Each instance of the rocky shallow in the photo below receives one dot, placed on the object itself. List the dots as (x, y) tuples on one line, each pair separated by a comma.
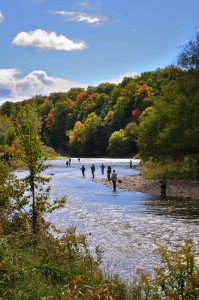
[(175, 188)]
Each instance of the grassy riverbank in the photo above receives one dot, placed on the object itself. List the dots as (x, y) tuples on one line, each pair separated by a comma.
[(47, 267)]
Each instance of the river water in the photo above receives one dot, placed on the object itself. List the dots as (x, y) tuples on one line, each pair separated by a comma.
[(128, 226)]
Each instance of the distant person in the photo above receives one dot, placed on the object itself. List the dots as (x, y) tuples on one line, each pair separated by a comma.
[(163, 187), (93, 170), (67, 163), (114, 180), (6, 158), (83, 170), (109, 173), (102, 168), (78, 159), (131, 164)]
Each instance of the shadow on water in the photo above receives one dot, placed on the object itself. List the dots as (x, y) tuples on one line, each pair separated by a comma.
[(175, 207)]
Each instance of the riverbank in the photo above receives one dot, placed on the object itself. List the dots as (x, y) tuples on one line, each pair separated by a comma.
[(175, 188)]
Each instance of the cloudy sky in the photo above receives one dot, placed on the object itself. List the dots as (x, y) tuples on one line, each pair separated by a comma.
[(52, 45)]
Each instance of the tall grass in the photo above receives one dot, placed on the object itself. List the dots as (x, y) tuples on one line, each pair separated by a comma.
[(186, 168)]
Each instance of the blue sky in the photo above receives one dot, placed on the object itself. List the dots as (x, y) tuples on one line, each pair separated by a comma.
[(52, 45)]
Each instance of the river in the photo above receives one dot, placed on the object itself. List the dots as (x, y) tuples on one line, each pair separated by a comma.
[(128, 226)]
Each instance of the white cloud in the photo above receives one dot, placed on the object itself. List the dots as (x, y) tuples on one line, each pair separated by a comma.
[(13, 88), (7, 78), (1, 17), (81, 17), (121, 77), (47, 41)]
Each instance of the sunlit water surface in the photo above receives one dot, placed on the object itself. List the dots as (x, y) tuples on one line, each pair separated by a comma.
[(127, 225)]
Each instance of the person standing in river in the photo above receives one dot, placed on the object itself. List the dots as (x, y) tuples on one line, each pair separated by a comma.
[(109, 173), (163, 187), (114, 180), (102, 168), (93, 170), (83, 170)]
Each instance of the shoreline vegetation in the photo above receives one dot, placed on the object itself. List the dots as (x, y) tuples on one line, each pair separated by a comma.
[(187, 189)]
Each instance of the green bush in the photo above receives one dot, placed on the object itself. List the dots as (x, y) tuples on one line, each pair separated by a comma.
[(186, 168), (177, 278)]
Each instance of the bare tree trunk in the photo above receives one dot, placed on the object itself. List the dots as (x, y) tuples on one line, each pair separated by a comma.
[(34, 211)]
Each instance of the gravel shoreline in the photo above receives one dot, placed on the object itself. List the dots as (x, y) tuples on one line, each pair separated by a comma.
[(175, 188)]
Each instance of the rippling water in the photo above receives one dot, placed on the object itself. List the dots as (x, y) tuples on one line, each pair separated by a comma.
[(127, 225)]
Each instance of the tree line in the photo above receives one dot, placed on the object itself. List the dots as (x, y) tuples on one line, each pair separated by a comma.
[(153, 115), (39, 261)]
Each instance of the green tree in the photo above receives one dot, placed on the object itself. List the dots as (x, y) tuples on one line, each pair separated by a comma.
[(45, 108), (188, 57), (59, 124), (124, 106), (176, 278), (169, 128), (118, 144), (74, 136), (6, 108), (101, 104), (105, 88), (89, 134), (73, 93), (130, 133), (28, 130), (133, 96), (6, 132)]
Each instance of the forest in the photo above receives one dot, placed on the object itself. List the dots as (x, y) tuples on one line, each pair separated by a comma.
[(153, 116)]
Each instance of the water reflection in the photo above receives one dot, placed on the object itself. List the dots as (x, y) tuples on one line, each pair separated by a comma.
[(175, 207)]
